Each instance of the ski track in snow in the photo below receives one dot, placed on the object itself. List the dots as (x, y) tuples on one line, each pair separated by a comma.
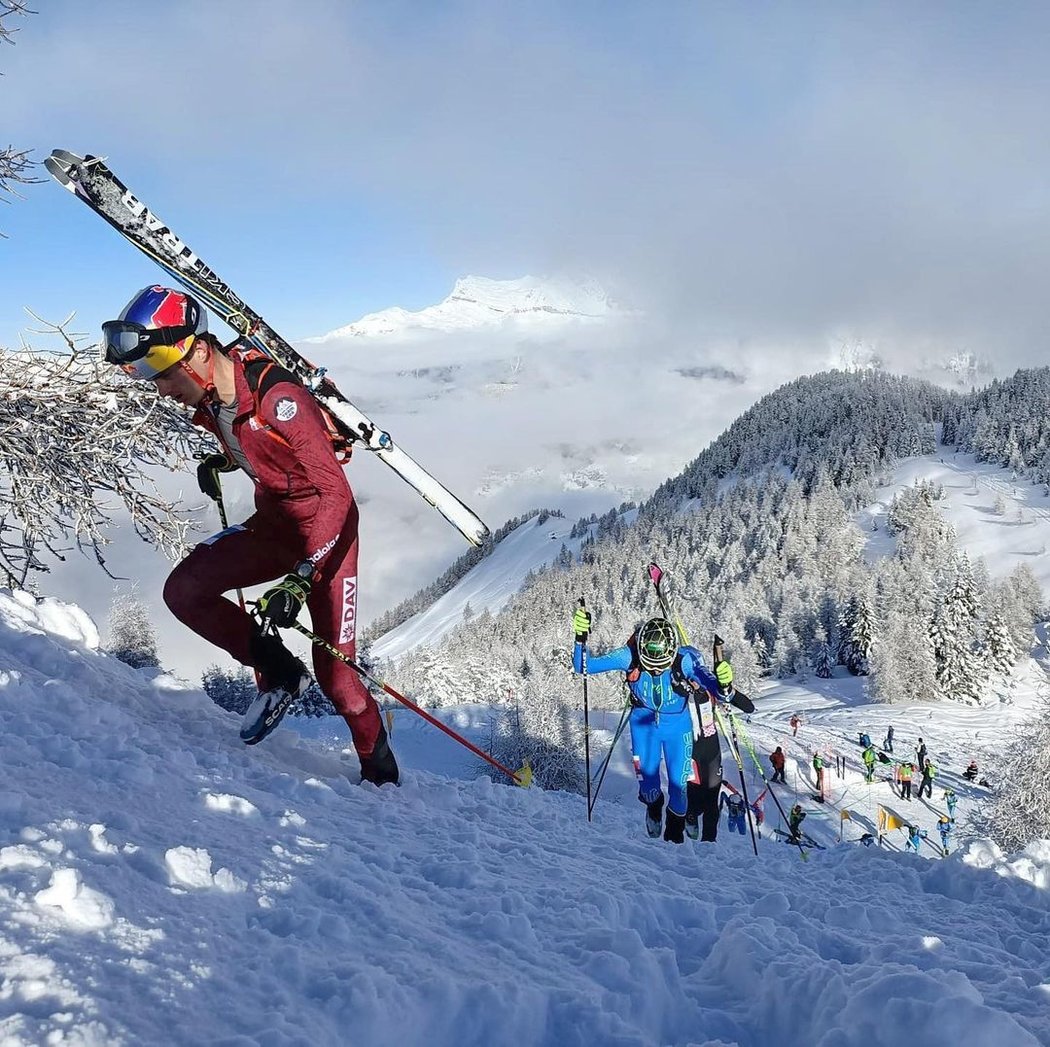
[(161, 883)]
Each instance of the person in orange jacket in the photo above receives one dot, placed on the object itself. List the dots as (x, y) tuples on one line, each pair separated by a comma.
[(777, 759)]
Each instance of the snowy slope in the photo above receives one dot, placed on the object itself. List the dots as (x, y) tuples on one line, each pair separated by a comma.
[(488, 586), (477, 301), (161, 883), (1020, 535)]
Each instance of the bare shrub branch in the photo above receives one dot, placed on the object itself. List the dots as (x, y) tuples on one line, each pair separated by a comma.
[(78, 442)]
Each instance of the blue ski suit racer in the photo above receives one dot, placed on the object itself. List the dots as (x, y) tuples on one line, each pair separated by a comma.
[(662, 721)]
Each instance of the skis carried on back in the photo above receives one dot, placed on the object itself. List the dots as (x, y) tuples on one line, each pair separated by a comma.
[(95, 185)]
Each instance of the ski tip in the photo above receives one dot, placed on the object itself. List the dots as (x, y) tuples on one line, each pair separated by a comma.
[(66, 157), (58, 171)]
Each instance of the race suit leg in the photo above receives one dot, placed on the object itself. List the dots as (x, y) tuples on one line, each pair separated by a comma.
[(645, 746), (333, 612), (676, 739), (705, 785), (240, 556)]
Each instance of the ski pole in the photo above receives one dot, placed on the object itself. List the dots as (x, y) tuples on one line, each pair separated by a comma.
[(225, 525), (717, 652), (586, 710), (608, 756), (762, 774), (522, 777), (735, 750)]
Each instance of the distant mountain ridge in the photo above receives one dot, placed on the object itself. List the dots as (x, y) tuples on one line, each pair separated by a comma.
[(477, 301)]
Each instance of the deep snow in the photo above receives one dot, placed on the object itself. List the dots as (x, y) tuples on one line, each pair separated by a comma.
[(161, 883)]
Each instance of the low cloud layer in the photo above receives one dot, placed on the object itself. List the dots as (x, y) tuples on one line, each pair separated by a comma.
[(765, 172)]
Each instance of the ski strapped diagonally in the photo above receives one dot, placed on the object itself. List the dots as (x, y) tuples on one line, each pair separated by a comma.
[(94, 184)]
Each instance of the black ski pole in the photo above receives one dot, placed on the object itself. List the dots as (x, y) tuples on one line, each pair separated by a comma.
[(762, 774), (608, 756), (717, 652), (586, 708), (734, 748)]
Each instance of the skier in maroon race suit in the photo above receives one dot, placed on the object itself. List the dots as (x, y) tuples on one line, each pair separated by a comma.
[(305, 524)]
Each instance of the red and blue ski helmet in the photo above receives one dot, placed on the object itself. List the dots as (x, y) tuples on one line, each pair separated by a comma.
[(156, 329)]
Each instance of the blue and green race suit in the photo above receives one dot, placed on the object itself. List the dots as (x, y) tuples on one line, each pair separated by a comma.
[(662, 721)]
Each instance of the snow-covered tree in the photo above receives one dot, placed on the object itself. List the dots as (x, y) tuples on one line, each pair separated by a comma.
[(1000, 654), (823, 662), (954, 634), (132, 637), (235, 689), (1019, 812), (543, 728), (232, 690), (857, 631)]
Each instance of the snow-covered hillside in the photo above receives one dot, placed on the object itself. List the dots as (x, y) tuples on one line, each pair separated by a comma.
[(478, 302), (161, 883), (1016, 531), (1020, 535), (486, 587)]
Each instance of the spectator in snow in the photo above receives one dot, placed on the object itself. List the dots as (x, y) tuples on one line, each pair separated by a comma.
[(944, 827), (920, 754), (904, 773), (758, 809), (888, 742), (865, 739), (970, 774), (915, 837), (928, 773), (869, 763), (951, 799), (776, 759), (818, 768), (795, 722)]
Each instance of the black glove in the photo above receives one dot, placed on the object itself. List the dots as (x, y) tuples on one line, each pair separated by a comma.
[(281, 603), (208, 474)]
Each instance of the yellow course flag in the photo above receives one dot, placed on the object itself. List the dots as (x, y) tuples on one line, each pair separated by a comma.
[(888, 821)]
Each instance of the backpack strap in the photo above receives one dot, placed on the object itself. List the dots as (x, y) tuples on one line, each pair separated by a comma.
[(261, 374)]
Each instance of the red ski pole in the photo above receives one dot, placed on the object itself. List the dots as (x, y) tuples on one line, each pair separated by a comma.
[(522, 777)]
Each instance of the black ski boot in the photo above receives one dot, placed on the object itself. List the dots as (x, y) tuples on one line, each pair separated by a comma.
[(380, 767), (283, 678), (692, 827), (673, 830), (654, 816)]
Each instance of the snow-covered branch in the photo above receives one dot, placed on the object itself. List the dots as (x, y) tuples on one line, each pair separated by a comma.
[(14, 163), (78, 441)]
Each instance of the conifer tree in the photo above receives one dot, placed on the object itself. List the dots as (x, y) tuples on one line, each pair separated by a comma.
[(132, 638)]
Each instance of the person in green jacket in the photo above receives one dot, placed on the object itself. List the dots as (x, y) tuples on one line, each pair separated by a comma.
[(795, 819), (928, 774), (818, 768), (869, 763)]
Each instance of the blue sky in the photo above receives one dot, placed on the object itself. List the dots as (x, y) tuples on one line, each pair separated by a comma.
[(749, 170)]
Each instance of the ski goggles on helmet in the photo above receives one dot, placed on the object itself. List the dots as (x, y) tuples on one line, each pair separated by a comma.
[(142, 352)]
